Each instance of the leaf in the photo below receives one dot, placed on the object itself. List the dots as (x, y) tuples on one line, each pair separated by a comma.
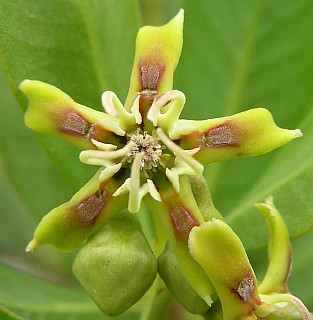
[(8, 315), (25, 194), (244, 54), (46, 300), (82, 47)]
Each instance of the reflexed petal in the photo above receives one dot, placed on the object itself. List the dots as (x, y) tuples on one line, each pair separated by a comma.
[(52, 111), (68, 226), (249, 133), (157, 53), (219, 251), (279, 252)]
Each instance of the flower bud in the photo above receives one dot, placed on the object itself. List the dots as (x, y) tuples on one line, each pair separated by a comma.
[(116, 266), (169, 270)]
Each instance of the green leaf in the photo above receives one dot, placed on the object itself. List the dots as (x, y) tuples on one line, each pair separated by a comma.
[(244, 54), (25, 194), (32, 298), (8, 315), (82, 47)]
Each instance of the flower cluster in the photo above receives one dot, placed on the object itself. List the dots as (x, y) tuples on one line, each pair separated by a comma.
[(146, 153)]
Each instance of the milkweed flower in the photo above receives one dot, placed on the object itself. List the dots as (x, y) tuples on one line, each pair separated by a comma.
[(144, 153)]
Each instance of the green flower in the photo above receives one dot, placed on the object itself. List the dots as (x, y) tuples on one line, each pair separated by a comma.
[(146, 153)]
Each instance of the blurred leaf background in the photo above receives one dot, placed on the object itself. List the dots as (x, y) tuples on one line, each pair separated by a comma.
[(237, 54)]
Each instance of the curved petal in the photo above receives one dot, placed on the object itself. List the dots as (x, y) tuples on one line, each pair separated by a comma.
[(52, 111), (157, 53), (219, 251), (279, 250), (249, 133), (69, 225)]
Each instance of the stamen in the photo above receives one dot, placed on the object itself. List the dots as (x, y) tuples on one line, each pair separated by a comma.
[(179, 152), (123, 189), (103, 146), (114, 106), (109, 98), (111, 125), (167, 119), (94, 157), (149, 145), (135, 110), (153, 190), (134, 184), (109, 171)]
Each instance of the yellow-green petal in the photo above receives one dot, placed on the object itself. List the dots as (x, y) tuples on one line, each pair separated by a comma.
[(279, 250), (249, 133), (219, 251), (157, 54), (179, 214), (69, 225), (52, 111)]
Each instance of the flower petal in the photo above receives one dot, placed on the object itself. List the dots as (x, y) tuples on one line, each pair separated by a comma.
[(179, 214), (278, 271), (52, 111), (157, 53), (249, 133), (69, 225), (219, 251)]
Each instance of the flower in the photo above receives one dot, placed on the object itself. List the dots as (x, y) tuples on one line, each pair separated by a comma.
[(146, 153)]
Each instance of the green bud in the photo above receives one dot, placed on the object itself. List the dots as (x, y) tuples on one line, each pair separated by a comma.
[(219, 251), (169, 270), (116, 266)]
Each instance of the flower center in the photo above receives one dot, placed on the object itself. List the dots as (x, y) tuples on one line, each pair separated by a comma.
[(149, 146)]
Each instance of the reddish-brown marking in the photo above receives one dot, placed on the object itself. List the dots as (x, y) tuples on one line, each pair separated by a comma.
[(191, 140), (150, 75), (222, 135), (72, 123), (101, 134), (245, 289), (145, 102), (88, 210), (284, 285), (182, 221)]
